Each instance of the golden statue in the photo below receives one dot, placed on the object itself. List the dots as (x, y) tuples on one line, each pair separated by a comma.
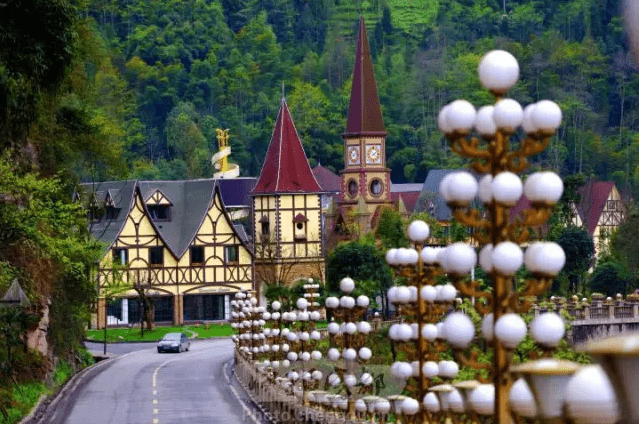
[(220, 159)]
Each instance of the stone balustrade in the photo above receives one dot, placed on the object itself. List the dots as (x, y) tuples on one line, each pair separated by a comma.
[(597, 309), (599, 317)]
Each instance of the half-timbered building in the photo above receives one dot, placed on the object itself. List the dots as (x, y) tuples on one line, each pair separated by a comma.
[(287, 211), (601, 211), (173, 239)]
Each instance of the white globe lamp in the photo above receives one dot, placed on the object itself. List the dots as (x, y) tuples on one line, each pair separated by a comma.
[(498, 71)]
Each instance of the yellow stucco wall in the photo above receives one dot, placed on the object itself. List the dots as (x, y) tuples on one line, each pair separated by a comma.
[(300, 245)]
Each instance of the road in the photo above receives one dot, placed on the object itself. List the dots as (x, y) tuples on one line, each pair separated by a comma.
[(143, 386)]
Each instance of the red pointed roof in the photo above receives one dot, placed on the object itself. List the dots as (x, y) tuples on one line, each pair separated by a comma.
[(286, 168), (364, 112), (593, 200)]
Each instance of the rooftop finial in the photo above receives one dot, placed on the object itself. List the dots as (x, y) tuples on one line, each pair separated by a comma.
[(283, 92)]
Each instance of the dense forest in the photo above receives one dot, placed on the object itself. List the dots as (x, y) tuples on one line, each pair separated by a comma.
[(175, 71)]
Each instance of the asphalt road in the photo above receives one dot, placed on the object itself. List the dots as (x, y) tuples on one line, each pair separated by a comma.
[(142, 386)]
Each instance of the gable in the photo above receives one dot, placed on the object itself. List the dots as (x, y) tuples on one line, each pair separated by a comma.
[(139, 230), (216, 226), (158, 198), (614, 210), (594, 196)]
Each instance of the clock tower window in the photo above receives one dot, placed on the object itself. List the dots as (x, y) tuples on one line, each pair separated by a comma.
[(352, 188), (376, 187)]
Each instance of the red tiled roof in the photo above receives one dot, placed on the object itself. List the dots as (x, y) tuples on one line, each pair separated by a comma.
[(523, 204), (409, 198), (286, 168), (328, 180), (593, 200), (364, 112)]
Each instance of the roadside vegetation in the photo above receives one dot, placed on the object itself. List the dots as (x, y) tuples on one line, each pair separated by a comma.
[(18, 400)]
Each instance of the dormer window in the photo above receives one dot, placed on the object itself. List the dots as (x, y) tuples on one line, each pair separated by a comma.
[(159, 206), (160, 212), (300, 226), (112, 213)]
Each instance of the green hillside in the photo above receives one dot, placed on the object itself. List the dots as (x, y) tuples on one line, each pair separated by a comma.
[(205, 64), (410, 16)]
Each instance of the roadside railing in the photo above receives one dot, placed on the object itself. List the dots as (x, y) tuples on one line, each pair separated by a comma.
[(597, 311)]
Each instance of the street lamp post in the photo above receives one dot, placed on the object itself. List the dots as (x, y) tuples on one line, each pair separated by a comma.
[(500, 188)]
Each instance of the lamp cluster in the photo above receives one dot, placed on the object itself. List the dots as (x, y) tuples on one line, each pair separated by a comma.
[(247, 319), (496, 186), (302, 338), (420, 335), (347, 334), (274, 338), (543, 389)]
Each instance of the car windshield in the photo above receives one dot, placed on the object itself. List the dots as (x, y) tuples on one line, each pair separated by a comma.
[(172, 336)]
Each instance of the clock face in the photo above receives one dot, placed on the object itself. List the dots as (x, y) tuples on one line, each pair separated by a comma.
[(353, 155), (374, 154)]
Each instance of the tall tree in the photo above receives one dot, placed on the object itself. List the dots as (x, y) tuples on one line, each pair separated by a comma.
[(580, 250), (625, 246)]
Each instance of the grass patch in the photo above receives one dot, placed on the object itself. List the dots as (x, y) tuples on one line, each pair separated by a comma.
[(135, 335), (206, 331), (409, 16), (23, 397), (62, 373), (17, 400)]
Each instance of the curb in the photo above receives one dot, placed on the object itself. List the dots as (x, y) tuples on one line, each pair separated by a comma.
[(265, 412), (247, 411), (33, 410), (49, 402)]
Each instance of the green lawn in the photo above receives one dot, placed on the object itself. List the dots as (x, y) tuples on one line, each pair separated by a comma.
[(134, 334)]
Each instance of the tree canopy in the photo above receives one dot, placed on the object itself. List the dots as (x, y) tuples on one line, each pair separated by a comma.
[(229, 60), (360, 261), (580, 250)]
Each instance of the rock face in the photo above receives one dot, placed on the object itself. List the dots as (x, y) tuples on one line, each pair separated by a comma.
[(37, 335)]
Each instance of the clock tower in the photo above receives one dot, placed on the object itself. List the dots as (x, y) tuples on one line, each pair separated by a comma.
[(365, 178)]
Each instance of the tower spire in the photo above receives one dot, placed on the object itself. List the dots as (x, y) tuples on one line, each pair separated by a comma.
[(364, 111), (286, 168)]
